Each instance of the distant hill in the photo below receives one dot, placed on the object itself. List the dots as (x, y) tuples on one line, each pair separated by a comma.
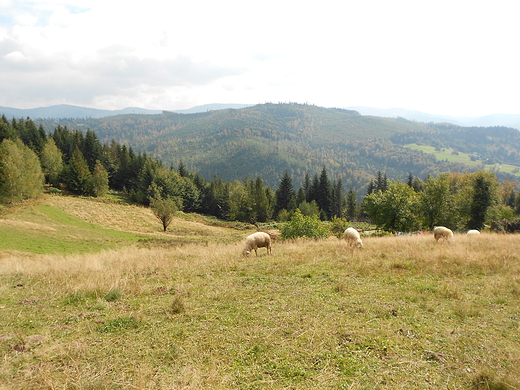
[(68, 111), (507, 120), (267, 139), (76, 112)]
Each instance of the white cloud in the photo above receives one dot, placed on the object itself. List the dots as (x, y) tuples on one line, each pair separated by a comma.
[(441, 57)]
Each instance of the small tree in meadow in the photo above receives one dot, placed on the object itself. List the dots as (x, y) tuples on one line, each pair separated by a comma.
[(164, 210)]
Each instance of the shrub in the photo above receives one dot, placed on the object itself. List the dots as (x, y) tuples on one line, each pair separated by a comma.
[(337, 226), (506, 226), (304, 226)]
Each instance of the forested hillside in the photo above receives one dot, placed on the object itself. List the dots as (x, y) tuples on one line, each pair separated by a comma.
[(267, 139), (72, 161)]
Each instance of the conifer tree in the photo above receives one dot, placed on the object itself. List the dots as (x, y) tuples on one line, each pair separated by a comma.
[(323, 195), (91, 149), (337, 199), (484, 195), (6, 130), (381, 183), (285, 195), (371, 187), (351, 205), (76, 175)]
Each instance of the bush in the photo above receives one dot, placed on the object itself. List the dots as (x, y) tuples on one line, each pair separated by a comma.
[(506, 226), (337, 226), (304, 226)]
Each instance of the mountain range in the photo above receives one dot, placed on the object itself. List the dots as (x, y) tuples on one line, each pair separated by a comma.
[(507, 120), (265, 140), (71, 111)]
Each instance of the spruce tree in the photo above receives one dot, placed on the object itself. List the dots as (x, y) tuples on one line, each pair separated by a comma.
[(483, 197), (351, 205), (76, 175), (323, 195), (285, 195), (91, 149), (337, 199)]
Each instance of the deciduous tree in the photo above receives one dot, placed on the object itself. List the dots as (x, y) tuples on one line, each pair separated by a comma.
[(394, 209), (164, 210), (21, 176)]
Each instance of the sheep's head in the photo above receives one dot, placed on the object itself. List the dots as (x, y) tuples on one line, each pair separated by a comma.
[(245, 253), (359, 244)]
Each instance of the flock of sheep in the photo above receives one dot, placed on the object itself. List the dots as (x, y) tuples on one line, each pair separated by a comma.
[(351, 236)]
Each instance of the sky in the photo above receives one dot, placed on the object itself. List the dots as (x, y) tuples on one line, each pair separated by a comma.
[(445, 57)]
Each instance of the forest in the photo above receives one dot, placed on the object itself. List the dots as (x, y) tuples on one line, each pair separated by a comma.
[(267, 139), (77, 162)]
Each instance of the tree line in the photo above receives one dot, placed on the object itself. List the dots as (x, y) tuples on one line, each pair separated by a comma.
[(77, 162)]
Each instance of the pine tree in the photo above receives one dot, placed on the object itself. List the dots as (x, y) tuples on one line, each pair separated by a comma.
[(371, 187), (6, 130), (182, 170), (381, 183), (307, 188), (91, 149), (351, 205), (285, 195), (409, 182), (483, 196), (338, 199), (323, 195), (76, 175)]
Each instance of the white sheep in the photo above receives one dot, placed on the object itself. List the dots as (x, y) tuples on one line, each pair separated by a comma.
[(473, 232), (255, 241), (442, 232), (352, 237)]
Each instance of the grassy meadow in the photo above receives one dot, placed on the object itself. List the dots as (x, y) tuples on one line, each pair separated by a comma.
[(143, 309), (464, 158)]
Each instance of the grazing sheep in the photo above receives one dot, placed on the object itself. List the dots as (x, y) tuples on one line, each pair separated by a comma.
[(352, 237), (442, 232), (255, 241), (473, 232)]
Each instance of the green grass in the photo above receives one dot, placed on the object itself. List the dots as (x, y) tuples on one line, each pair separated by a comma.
[(464, 158), (51, 230)]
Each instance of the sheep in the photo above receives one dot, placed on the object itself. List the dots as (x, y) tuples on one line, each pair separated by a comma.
[(442, 232), (255, 241), (473, 232), (352, 237)]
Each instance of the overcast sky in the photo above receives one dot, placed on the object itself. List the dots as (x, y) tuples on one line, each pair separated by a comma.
[(448, 57)]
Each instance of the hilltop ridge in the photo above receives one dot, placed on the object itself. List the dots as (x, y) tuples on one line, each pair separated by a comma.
[(267, 139)]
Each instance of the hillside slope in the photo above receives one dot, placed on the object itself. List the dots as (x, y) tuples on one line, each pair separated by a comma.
[(267, 139), (54, 224)]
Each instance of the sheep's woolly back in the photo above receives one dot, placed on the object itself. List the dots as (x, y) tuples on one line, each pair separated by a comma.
[(473, 232), (255, 241), (353, 238), (442, 232)]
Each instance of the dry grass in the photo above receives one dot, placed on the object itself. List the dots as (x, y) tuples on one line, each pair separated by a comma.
[(403, 313)]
